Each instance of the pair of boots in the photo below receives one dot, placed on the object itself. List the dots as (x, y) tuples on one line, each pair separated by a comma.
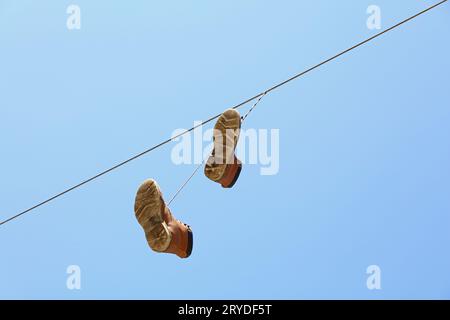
[(166, 234)]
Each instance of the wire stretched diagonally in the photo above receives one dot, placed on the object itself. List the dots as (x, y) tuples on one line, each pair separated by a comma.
[(296, 76)]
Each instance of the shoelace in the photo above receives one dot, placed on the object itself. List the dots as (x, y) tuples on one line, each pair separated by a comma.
[(186, 225)]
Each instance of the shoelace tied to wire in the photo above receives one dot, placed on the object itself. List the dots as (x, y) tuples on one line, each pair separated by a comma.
[(185, 183)]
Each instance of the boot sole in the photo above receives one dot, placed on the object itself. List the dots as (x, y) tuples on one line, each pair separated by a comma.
[(190, 243), (229, 120), (149, 207)]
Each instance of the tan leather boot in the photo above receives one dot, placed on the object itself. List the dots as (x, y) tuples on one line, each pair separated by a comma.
[(223, 166), (163, 232)]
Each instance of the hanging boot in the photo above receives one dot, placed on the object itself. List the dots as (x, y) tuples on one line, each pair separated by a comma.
[(223, 166), (163, 232)]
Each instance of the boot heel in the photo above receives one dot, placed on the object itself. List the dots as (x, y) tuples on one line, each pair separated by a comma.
[(159, 237)]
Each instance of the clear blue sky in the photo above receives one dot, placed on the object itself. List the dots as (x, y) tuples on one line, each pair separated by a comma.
[(364, 158)]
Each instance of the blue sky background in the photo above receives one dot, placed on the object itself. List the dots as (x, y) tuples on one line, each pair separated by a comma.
[(364, 158)]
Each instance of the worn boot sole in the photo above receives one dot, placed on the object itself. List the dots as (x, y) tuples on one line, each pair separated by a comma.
[(229, 120), (149, 207)]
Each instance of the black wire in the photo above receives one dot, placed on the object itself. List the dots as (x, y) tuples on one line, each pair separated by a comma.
[(215, 117)]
